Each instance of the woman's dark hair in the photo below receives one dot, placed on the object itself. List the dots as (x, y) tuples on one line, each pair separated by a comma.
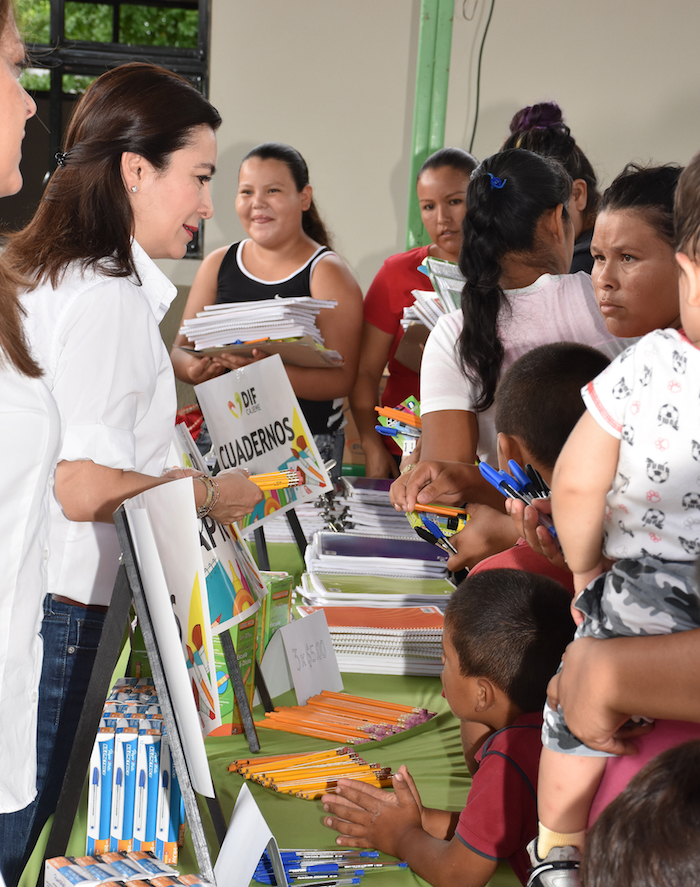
[(648, 190), (648, 836), (13, 346), (508, 194), (541, 128), (85, 214), (455, 158), (687, 209), (310, 220)]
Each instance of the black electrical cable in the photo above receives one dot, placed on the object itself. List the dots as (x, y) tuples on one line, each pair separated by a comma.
[(478, 76)]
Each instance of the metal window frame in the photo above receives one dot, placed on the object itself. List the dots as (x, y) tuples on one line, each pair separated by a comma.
[(61, 56)]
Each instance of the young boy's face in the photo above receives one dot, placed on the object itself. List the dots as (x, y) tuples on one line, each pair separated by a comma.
[(460, 691)]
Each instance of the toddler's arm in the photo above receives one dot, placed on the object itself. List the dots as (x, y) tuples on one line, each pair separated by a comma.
[(582, 477)]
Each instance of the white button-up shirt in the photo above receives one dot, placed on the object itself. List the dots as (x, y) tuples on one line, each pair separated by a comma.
[(98, 341), (30, 441)]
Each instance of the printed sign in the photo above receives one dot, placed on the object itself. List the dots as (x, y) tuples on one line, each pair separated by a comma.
[(256, 423), (234, 585), (310, 656)]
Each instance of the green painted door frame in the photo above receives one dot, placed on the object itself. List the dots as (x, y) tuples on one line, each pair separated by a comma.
[(432, 80)]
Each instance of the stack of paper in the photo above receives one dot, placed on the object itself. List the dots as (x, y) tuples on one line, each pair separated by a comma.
[(405, 640), (237, 323), (446, 297)]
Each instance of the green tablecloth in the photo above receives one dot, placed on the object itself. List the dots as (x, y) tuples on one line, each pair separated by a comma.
[(433, 755)]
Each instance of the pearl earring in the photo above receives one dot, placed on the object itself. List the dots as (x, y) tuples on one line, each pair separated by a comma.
[(134, 188)]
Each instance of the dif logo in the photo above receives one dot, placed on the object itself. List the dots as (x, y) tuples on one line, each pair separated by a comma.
[(244, 401)]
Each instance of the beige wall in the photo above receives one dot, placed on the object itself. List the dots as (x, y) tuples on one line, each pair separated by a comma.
[(335, 78)]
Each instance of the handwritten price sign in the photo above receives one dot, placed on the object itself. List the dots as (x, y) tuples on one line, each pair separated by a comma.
[(310, 655)]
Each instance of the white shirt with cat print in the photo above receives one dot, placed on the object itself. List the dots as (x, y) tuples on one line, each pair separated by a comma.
[(649, 398)]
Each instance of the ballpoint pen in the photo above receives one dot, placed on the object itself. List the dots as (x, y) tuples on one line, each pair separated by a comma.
[(510, 489)]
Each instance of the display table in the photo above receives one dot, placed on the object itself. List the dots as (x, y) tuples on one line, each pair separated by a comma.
[(432, 753)]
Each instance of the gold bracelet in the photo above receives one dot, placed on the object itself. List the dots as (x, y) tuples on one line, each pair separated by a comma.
[(212, 497)]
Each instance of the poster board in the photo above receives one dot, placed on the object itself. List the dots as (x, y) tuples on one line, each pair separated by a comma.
[(234, 585), (256, 423), (175, 609)]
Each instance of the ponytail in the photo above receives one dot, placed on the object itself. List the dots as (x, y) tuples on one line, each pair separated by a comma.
[(508, 194)]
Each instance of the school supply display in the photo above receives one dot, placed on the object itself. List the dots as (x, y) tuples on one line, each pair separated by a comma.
[(402, 423), (311, 775), (277, 326), (134, 800), (525, 485), (340, 717), (375, 556), (256, 423), (393, 640)]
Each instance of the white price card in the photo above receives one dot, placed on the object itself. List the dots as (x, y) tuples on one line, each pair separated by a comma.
[(310, 655)]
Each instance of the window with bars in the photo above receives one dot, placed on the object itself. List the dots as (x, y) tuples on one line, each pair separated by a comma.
[(70, 43)]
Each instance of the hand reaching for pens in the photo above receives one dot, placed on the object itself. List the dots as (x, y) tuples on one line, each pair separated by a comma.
[(367, 816), (526, 521)]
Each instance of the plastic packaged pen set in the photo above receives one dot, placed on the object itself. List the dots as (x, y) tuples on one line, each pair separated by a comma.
[(134, 800)]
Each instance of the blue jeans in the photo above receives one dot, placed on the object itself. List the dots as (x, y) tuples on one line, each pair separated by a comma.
[(71, 635)]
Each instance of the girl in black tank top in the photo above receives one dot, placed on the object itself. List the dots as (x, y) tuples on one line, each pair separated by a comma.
[(287, 254)]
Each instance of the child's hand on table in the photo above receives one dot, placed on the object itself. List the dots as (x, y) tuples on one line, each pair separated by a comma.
[(367, 816)]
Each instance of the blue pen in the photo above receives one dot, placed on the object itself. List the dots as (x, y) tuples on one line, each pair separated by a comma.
[(522, 478), (495, 479), (433, 528), (333, 869), (398, 428), (325, 853)]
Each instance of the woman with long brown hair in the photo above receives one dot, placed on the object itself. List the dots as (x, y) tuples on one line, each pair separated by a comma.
[(131, 187), (31, 429)]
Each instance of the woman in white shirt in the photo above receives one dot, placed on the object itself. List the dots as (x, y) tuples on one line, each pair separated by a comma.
[(131, 187), (31, 432)]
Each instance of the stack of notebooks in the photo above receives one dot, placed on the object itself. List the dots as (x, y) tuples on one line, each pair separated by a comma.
[(444, 298), (345, 570), (404, 640), (284, 326), (375, 556), (362, 508)]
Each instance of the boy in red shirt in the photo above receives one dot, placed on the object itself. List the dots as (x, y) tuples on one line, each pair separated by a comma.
[(504, 633)]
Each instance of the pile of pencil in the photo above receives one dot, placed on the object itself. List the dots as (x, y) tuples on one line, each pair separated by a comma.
[(278, 480), (311, 775), (344, 718)]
